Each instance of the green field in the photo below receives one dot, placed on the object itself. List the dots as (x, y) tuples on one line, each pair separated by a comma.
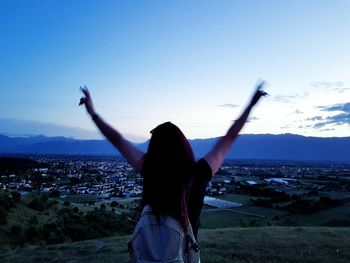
[(241, 216), (242, 199), (264, 244), (322, 217)]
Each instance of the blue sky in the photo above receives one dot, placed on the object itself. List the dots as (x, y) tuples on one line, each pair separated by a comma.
[(194, 63)]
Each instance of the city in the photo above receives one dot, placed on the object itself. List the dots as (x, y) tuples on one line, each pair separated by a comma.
[(109, 177)]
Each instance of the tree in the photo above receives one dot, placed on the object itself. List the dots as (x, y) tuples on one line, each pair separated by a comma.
[(3, 215), (114, 204), (55, 193), (37, 204), (16, 196)]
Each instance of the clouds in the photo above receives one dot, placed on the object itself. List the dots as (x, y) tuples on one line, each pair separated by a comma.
[(331, 87), (253, 118), (327, 84), (315, 118), (286, 126), (344, 107), (286, 98), (228, 105), (290, 98), (341, 116), (339, 119), (20, 128), (298, 112), (336, 86), (320, 106), (17, 127)]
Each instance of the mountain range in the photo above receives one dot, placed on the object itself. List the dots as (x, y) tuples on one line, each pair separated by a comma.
[(247, 146)]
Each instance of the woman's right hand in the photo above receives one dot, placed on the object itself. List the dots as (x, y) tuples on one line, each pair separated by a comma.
[(258, 93), (87, 101)]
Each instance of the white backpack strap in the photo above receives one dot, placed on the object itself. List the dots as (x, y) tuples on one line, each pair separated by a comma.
[(191, 247)]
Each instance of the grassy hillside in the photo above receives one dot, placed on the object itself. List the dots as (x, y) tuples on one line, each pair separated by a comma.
[(36, 219), (243, 234), (259, 244)]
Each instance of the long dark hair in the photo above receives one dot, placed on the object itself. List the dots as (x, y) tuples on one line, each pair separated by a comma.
[(167, 172)]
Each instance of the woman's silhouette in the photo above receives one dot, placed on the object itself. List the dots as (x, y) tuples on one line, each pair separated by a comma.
[(174, 183)]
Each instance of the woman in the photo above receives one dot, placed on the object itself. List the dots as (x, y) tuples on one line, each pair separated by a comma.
[(174, 185)]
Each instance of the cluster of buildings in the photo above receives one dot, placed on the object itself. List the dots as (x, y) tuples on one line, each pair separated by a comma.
[(281, 175), (106, 177), (101, 177)]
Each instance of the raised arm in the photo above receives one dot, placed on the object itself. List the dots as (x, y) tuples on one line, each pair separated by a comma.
[(217, 155), (133, 156)]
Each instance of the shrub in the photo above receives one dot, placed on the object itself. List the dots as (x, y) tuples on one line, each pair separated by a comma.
[(16, 232), (44, 198), (78, 228), (53, 233), (33, 234), (15, 229), (242, 223), (55, 193), (95, 224), (37, 204), (6, 202), (114, 204), (3, 215), (52, 203), (313, 192), (64, 211), (33, 220), (16, 196), (338, 223)]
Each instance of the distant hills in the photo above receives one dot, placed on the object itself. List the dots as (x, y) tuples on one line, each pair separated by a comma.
[(259, 146)]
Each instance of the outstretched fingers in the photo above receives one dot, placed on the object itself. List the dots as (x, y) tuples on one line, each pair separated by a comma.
[(260, 86), (85, 91), (258, 93), (87, 97), (263, 93)]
